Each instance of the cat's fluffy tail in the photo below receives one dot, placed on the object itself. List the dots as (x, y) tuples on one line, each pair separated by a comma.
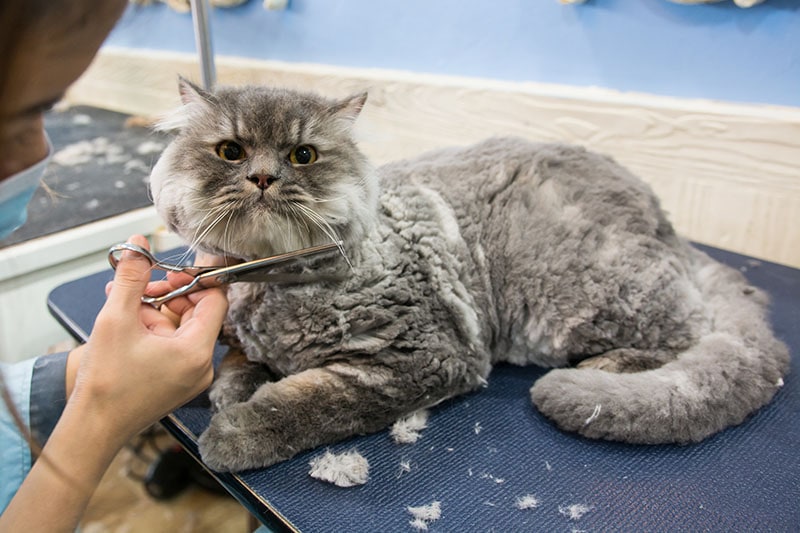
[(734, 369)]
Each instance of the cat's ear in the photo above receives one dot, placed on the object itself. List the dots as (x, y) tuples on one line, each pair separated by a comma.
[(194, 100), (347, 110), (191, 93)]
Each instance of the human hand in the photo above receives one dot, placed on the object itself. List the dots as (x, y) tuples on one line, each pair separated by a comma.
[(175, 280), (140, 364)]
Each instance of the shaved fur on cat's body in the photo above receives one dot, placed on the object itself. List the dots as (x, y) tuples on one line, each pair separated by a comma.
[(505, 251)]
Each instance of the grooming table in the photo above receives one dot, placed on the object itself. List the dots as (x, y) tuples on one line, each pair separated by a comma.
[(481, 453)]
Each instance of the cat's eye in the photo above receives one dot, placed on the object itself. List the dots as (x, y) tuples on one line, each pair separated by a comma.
[(231, 151), (303, 155)]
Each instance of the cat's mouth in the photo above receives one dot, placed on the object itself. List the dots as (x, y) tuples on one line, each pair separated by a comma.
[(265, 195), (261, 199)]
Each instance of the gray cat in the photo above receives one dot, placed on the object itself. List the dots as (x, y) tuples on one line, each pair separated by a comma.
[(505, 251)]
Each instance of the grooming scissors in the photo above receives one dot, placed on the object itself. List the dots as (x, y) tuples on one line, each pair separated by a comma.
[(208, 277)]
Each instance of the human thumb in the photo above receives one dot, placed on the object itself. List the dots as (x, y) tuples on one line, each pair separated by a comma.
[(131, 276)]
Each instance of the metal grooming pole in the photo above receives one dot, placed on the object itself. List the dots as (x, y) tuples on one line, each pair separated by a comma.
[(202, 38)]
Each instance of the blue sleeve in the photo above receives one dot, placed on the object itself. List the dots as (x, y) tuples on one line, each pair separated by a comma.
[(37, 391), (15, 454), (48, 395)]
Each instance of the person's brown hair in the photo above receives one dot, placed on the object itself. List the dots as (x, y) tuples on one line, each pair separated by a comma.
[(21, 20)]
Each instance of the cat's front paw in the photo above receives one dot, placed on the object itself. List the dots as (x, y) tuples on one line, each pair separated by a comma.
[(236, 381), (238, 438), (227, 390)]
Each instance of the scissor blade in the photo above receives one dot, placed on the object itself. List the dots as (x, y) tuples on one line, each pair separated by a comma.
[(260, 269)]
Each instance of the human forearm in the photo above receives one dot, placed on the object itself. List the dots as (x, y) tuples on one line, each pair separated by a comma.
[(55, 493), (137, 366)]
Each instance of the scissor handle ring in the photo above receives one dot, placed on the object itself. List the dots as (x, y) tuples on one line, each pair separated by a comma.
[(115, 253)]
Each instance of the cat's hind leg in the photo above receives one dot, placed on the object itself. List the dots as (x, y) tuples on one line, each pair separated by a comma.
[(716, 383), (598, 397)]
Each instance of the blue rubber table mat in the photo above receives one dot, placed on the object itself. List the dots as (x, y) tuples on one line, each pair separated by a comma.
[(482, 452)]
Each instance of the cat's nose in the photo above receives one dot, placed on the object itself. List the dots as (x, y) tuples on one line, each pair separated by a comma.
[(262, 181)]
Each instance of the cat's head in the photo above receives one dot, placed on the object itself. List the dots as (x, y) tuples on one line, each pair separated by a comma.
[(255, 171)]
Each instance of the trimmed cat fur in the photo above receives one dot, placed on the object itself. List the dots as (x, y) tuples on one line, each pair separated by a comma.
[(506, 251)]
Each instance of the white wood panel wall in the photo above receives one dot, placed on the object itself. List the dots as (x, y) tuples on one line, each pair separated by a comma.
[(30, 270), (729, 174)]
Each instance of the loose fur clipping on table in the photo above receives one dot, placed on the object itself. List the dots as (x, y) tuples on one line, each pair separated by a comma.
[(454, 261), (407, 429), (424, 515), (346, 469)]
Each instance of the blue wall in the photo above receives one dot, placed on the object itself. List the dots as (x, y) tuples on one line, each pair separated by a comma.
[(714, 51)]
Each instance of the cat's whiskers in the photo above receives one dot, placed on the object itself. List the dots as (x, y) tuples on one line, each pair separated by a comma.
[(359, 184), (213, 212), (226, 234), (299, 217), (219, 214), (318, 221), (286, 245), (325, 227), (202, 231), (303, 238), (325, 200)]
